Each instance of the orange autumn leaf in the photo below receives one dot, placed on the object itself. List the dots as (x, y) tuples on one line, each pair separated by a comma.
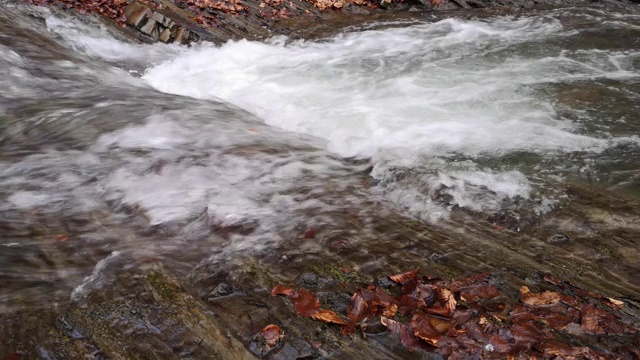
[(390, 311), (405, 277), (328, 316), (281, 290)]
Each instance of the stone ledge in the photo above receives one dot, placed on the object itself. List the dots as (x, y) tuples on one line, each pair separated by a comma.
[(157, 26)]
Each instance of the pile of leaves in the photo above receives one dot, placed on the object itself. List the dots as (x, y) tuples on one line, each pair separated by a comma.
[(225, 6), (112, 9), (471, 317)]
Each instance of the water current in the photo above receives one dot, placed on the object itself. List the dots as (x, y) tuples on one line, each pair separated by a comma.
[(112, 151)]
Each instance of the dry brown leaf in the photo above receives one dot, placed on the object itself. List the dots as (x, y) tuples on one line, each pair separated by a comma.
[(405, 277), (403, 331), (446, 297), (328, 316), (423, 329), (357, 308), (390, 311), (538, 299), (599, 321)]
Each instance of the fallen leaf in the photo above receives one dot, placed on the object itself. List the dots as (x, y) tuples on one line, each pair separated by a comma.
[(611, 302), (305, 302), (446, 297), (281, 290), (401, 330), (309, 234), (538, 299), (390, 311), (357, 308), (405, 277), (328, 316), (472, 293), (423, 329), (599, 321), (272, 335), (500, 344)]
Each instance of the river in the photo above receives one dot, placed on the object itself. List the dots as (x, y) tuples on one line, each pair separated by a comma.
[(460, 145)]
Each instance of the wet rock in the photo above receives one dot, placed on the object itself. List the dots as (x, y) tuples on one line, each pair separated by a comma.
[(373, 326), (307, 279), (338, 302), (287, 352), (559, 239), (156, 25), (305, 350), (221, 290), (135, 13), (150, 28), (384, 282)]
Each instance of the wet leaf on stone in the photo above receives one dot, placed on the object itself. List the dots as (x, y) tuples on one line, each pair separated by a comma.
[(271, 335), (357, 308), (423, 329), (281, 290), (401, 330), (405, 277), (328, 316), (599, 321), (611, 302), (305, 302), (538, 299), (473, 293)]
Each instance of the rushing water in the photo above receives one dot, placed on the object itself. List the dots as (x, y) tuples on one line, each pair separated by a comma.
[(268, 139)]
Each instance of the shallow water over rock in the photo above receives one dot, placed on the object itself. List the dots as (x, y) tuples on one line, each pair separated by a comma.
[(151, 195)]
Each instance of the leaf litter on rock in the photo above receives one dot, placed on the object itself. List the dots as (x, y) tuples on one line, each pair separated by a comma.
[(464, 318)]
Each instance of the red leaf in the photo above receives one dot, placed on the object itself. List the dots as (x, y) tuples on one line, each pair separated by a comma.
[(357, 308), (500, 344), (423, 329), (405, 277), (305, 302), (309, 234), (272, 335), (599, 321)]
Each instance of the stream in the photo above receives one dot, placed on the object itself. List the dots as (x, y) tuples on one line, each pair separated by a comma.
[(460, 145)]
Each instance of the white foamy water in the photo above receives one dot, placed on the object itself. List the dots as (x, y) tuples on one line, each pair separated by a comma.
[(402, 95), (431, 88), (431, 99)]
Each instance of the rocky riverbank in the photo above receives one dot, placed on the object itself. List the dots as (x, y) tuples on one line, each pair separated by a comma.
[(502, 284), (184, 21)]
